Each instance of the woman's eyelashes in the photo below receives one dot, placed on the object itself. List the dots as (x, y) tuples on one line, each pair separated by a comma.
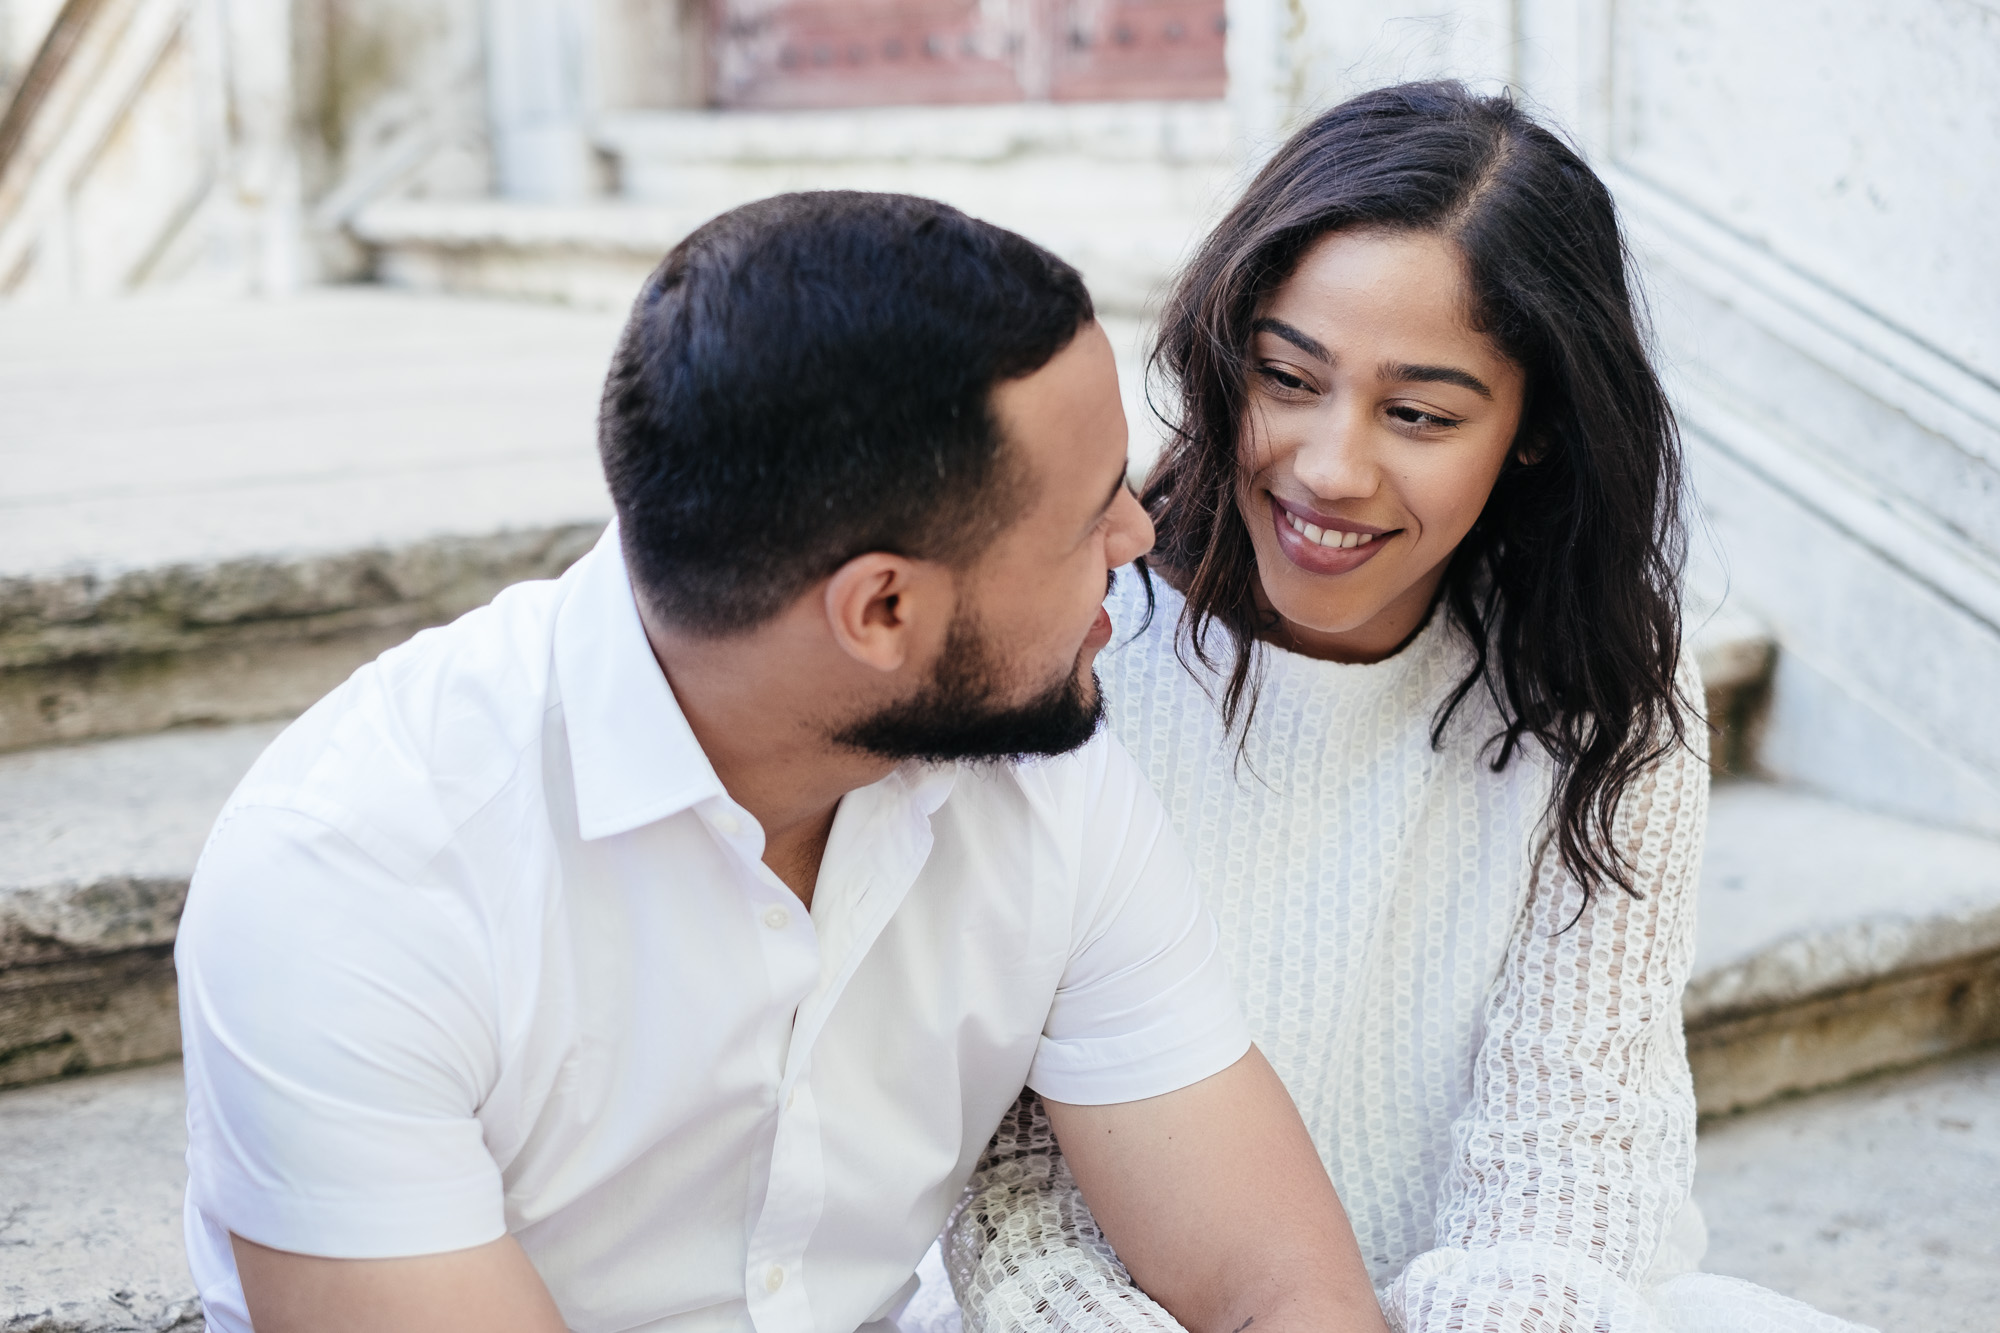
[(1423, 420), (1289, 385), (1286, 383)]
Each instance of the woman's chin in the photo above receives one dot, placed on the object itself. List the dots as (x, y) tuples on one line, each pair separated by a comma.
[(1313, 603), (1311, 620)]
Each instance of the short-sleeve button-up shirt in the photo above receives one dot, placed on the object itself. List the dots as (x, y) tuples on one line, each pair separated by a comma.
[(482, 946)]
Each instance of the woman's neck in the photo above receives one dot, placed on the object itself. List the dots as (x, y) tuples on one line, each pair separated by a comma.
[(1376, 639), (1383, 636)]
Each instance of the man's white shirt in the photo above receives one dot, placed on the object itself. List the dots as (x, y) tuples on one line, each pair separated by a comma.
[(481, 946)]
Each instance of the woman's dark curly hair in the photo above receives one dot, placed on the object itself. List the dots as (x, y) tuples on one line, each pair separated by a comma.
[(1567, 586)]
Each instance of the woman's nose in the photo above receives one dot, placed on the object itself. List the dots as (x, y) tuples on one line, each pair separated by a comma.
[(1335, 459)]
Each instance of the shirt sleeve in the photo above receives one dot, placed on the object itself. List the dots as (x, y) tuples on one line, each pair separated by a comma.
[(1145, 1006), (338, 1035), (1576, 1152)]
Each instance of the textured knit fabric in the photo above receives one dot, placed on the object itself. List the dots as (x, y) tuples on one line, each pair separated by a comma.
[(1491, 1064)]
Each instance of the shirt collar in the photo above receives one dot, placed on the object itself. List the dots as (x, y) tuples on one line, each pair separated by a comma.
[(634, 757)]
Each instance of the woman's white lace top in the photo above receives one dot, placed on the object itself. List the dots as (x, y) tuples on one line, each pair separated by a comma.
[(1492, 1066)]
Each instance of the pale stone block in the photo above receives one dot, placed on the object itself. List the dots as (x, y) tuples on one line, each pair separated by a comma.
[(90, 1237)]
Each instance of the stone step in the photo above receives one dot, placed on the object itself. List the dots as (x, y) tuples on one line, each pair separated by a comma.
[(214, 512), (96, 845), (1834, 942), (1121, 190), (1873, 1202), (1736, 654), (91, 1173)]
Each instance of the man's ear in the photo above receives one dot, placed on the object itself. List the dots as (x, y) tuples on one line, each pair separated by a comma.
[(883, 609)]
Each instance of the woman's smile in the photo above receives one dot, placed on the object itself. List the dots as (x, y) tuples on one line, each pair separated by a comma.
[(1320, 544)]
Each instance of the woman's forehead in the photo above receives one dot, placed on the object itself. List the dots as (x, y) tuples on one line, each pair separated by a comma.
[(1390, 296)]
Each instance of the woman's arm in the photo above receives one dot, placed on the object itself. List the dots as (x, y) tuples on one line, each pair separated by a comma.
[(1023, 1251), (1577, 1150)]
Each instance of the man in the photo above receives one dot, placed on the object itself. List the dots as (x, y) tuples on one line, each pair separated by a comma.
[(652, 949)]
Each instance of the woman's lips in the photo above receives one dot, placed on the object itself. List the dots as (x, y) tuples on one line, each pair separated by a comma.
[(1314, 558)]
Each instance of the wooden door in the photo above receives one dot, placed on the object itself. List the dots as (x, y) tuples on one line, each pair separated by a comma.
[(835, 53)]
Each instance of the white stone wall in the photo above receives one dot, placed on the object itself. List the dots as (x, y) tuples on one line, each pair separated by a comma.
[(161, 155), (23, 24), (223, 144)]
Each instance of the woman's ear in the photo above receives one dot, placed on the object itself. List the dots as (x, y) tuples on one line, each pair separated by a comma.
[(1529, 449), (881, 608)]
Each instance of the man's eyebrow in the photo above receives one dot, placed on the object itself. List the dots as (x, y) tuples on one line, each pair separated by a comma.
[(1406, 374), (1305, 342), (1118, 484)]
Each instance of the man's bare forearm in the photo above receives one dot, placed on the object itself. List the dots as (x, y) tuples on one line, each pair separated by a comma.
[(487, 1289), (1220, 1208)]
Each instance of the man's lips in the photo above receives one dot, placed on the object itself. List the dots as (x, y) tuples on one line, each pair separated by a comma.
[(1100, 631), (1322, 543)]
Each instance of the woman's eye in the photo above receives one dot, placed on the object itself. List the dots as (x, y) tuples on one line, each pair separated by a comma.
[(1282, 378), (1416, 416)]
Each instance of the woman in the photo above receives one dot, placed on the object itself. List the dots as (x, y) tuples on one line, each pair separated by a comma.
[(1408, 673)]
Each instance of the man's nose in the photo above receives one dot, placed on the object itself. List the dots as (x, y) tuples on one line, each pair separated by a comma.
[(1131, 529)]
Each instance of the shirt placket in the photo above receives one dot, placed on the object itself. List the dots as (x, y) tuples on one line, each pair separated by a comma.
[(864, 894)]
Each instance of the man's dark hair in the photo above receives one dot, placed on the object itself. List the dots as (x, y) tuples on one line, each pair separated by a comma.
[(809, 378)]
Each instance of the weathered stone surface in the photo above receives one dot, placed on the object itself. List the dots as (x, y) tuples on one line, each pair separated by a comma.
[(1805, 896), (96, 846), (91, 1176), (1123, 191), (1832, 943), (97, 841), (172, 435), (1735, 654), (1749, 1058), (85, 1014), (1874, 1202), (214, 512), (82, 657)]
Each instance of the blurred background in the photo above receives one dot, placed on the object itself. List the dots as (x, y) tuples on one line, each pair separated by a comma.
[(304, 305)]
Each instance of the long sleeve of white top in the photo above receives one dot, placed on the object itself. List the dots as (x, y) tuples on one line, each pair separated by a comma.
[(1572, 1158), (1576, 1152)]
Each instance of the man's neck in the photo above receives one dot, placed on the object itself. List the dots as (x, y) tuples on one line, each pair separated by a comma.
[(766, 737)]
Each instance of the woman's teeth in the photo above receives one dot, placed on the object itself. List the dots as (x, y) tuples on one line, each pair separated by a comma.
[(1319, 536)]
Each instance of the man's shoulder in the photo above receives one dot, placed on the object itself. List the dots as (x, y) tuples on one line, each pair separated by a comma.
[(1069, 790), (413, 744)]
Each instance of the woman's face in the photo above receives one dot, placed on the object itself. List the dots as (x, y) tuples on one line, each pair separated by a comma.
[(1378, 421)]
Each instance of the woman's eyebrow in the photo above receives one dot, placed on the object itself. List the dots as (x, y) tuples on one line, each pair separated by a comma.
[(1305, 342), (1407, 374)]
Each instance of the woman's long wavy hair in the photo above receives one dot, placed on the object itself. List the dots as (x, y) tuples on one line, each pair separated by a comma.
[(1566, 588)]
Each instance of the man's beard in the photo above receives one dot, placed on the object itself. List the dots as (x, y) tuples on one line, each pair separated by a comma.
[(954, 717)]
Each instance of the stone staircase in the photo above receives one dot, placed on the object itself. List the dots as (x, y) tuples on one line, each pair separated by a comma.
[(213, 513), (1120, 189)]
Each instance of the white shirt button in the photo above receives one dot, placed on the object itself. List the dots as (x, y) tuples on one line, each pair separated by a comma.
[(727, 824), (777, 918), (791, 1098), (774, 1277)]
